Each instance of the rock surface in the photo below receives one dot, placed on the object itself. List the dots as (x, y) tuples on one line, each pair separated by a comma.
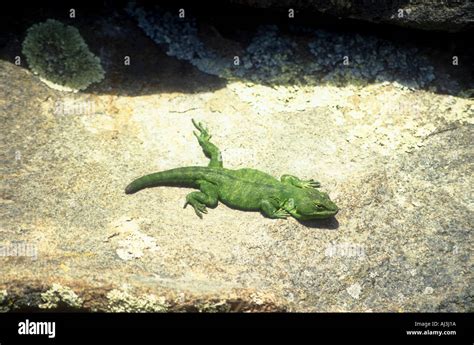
[(397, 160), (448, 15)]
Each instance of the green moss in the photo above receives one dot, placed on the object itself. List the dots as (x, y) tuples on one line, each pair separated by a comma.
[(58, 53)]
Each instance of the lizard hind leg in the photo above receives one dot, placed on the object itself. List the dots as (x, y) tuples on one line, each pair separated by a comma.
[(210, 150), (208, 196)]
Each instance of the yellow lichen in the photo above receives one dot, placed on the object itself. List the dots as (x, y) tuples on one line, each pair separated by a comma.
[(123, 301), (3, 299), (58, 295)]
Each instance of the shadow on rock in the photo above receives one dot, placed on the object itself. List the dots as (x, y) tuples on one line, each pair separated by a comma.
[(328, 223), (147, 50)]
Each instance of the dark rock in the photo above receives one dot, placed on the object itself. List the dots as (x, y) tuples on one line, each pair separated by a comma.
[(448, 15)]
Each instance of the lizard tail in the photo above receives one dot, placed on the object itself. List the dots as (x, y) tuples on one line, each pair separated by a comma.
[(180, 177)]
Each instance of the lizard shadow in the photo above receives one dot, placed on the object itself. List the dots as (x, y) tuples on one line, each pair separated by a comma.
[(328, 223)]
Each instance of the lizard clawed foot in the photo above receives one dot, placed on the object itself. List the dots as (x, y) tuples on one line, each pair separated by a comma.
[(204, 133), (310, 184), (281, 214), (199, 208)]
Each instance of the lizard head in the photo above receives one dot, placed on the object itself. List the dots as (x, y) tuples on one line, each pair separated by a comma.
[(312, 204)]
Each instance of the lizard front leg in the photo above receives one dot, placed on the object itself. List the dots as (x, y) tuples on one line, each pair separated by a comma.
[(206, 197), (210, 150), (297, 182), (272, 209)]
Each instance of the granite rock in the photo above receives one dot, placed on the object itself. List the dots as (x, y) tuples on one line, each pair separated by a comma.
[(397, 161)]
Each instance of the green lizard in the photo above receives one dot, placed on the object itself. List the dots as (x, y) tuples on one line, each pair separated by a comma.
[(244, 189)]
